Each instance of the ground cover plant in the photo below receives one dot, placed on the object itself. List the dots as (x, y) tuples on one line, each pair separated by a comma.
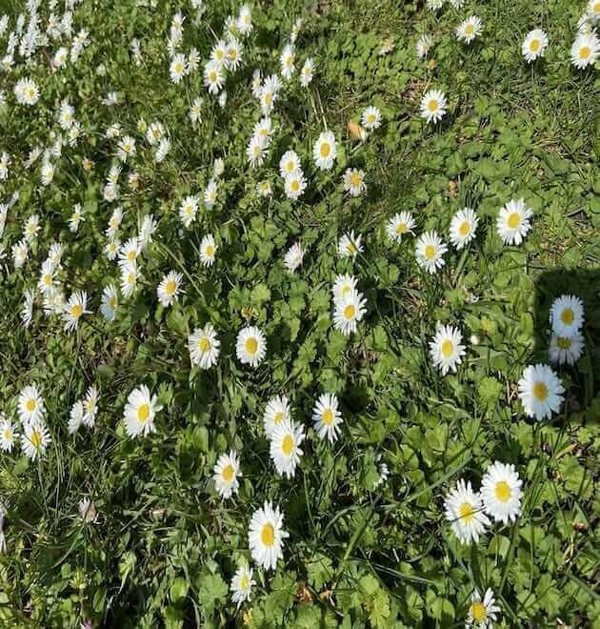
[(301, 314)]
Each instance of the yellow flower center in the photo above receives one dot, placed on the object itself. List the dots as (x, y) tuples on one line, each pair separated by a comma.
[(278, 418), (429, 252), (113, 303), (596, 7), (76, 311), (244, 582), (371, 118), (268, 98), (567, 316), (325, 149), (502, 491), (564, 342), (36, 439), (47, 279), (534, 45), (540, 391), (355, 179), (585, 52), (447, 348), (464, 229), (131, 255), (469, 29), (31, 405), (295, 185), (287, 445), (251, 346), (327, 417), (213, 77), (209, 251), (143, 413), (204, 344), (267, 535), (433, 105), (349, 312), (514, 220), (466, 512), (478, 611), (401, 228), (170, 287), (228, 473)]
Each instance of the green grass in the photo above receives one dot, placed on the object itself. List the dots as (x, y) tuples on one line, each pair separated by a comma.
[(165, 546)]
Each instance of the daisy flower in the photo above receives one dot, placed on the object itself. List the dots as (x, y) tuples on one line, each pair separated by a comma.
[(140, 411), (423, 46), (251, 346), (354, 181), (501, 492), (87, 511), (169, 288), (566, 349), (32, 227), (566, 315), (126, 148), (482, 613), (433, 106), (349, 245), (371, 118), (74, 310), (295, 185), (293, 257), (446, 348), (348, 311), (429, 250), (343, 285), (27, 309), (31, 404), (463, 227), (7, 434), (277, 412), (266, 535), (129, 253), (256, 152), (27, 92), (210, 193), (233, 54), (399, 225), (468, 30), (286, 439), (178, 68), (534, 45), (35, 440), (90, 406), (585, 50), (289, 163), (287, 61), (513, 222), (188, 210), (225, 474), (593, 10), (214, 77), (307, 73), (208, 250), (325, 151), (241, 585), (110, 302), (203, 346), (327, 417), (464, 509), (75, 417), (244, 25), (541, 391)]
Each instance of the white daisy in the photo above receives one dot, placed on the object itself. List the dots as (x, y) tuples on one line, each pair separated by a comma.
[(289, 163), (287, 61), (214, 77), (482, 613), (27, 92), (7, 434), (464, 509), (27, 309), (266, 535), (566, 315), (566, 349), (31, 404), (295, 185), (203, 346), (110, 302), (74, 310), (293, 257), (349, 245), (513, 222), (327, 417), (129, 253), (75, 417), (534, 45), (286, 439), (188, 210), (463, 227), (541, 391), (208, 250), (423, 46), (129, 280), (593, 10), (446, 348), (399, 225), (251, 346), (354, 181), (126, 148), (277, 412), (343, 285), (90, 406), (169, 288), (470, 29), (35, 440), (241, 585), (307, 72), (325, 151), (140, 411), (348, 311), (244, 25), (226, 473), (256, 151), (210, 193), (433, 106), (501, 492), (371, 118), (585, 50), (429, 251), (178, 68)]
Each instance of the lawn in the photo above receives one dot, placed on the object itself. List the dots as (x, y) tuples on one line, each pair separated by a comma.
[(301, 313)]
